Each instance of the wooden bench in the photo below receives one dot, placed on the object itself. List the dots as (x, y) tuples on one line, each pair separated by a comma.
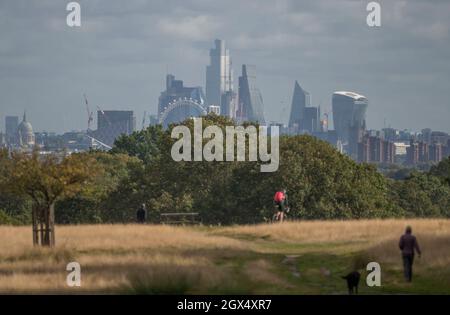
[(180, 218)]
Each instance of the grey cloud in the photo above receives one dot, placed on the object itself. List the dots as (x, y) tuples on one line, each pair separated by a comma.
[(120, 55)]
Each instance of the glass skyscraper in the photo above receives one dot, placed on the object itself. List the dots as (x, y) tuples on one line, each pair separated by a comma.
[(300, 100), (349, 118), (251, 106), (219, 77)]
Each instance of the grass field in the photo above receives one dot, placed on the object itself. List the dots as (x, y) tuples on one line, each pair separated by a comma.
[(288, 258)]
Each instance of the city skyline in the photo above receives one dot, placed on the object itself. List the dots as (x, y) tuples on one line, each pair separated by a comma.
[(119, 58)]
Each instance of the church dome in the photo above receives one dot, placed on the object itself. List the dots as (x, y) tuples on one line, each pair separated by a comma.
[(25, 131), (25, 128)]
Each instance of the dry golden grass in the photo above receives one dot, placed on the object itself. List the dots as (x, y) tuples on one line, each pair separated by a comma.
[(163, 259), (110, 255), (361, 231), (378, 238)]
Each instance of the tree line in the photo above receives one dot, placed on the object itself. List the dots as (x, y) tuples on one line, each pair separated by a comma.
[(108, 187)]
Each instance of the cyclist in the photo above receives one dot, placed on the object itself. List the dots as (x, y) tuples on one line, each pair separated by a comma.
[(280, 200)]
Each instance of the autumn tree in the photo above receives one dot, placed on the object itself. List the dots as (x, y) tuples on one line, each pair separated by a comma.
[(45, 179)]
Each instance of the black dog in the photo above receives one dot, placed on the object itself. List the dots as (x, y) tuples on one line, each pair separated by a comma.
[(352, 282)]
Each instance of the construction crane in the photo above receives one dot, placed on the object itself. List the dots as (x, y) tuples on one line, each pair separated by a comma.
[(143, 120), (89, 112)]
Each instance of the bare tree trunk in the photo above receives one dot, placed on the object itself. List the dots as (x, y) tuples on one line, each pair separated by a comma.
[(44, 225)]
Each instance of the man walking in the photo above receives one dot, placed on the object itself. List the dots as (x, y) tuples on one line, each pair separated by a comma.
[(408, 245)]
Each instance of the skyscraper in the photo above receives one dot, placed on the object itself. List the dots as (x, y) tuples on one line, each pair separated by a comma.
[(311, 119), (349, 117), (300, 100), (219, 75), (107, 118), (251, 106), (11, 124), (113, 123)]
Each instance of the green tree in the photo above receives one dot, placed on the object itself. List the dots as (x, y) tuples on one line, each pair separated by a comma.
[(442, 170), (144, 144), (45, 179)]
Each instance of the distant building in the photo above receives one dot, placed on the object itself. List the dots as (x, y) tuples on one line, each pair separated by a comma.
[(349, 117), (219, 78), (329, 136), (374, 149), (400, 148), (426, 135), (391, 134), (300, 100), (229, 104), (412, 153), (251, 106), (422, 152), (436, 152), (214, 109), (439, 137), (74, 141), (111, 124), (311, 119), (175, 90), (11, 125), (107, 118), (25, 133)]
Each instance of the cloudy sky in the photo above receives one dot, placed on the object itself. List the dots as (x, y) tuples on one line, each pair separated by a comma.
[(122, 51)]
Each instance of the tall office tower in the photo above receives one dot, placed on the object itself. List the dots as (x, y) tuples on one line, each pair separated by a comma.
[(113, 123), (108, 118), (219, 74), (311, 119), (176, 90), (251, 106), (11, 128), (229, 104), (349, 118), (300, 100)]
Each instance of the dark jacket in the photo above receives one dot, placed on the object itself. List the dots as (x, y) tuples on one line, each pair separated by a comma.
[(408, 243), (141, 215)]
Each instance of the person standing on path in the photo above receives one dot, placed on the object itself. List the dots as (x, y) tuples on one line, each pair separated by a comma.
[(408, 245)]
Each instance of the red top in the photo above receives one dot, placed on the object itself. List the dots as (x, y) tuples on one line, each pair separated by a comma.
[(279, 196)]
